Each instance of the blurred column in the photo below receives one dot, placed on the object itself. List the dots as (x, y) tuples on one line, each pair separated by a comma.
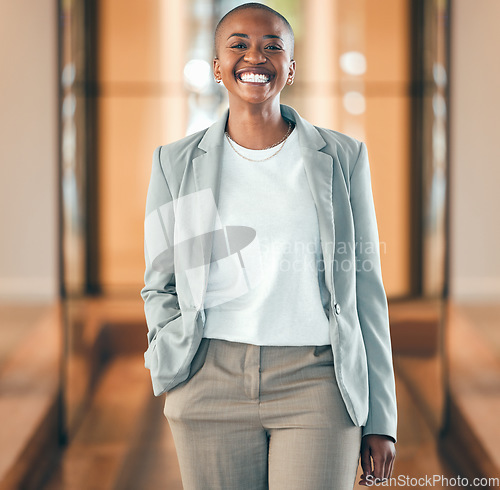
[(173, 39), (142, 104), (317, 68)]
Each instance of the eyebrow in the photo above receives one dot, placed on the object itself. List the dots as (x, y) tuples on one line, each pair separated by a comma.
[(267, 36)]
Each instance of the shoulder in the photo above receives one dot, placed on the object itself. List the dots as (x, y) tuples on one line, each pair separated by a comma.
[(338, 144), (174, 157), (345, 147), (182, 149)]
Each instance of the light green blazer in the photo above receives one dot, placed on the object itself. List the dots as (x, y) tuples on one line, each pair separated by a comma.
[(338, 174)]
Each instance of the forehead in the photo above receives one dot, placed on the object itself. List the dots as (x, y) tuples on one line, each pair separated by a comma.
[(253, 21)]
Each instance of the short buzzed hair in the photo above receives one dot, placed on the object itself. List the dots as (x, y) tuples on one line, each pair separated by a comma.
[(255, 6)]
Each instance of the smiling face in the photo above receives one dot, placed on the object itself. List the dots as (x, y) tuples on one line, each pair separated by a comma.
[(254, 56)]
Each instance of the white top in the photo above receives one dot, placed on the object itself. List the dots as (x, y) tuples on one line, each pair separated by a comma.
[(269, 289)]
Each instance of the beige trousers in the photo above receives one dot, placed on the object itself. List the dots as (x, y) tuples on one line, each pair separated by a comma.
[(262, 417)]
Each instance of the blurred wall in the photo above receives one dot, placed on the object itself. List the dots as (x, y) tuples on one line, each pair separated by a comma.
[(475, 152), (28, 150)]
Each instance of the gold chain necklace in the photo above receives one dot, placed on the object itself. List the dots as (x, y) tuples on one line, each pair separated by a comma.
[(282, 140)]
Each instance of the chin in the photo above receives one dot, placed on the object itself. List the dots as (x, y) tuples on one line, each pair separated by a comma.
[(257, 99)]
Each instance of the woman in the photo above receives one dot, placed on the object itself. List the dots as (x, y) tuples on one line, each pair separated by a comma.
[(267, 315)]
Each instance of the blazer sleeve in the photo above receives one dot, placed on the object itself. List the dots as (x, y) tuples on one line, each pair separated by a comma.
[(372, 307), (159, 292)]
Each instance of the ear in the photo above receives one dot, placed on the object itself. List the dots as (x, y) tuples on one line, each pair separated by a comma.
[(217, 70), (291, 69)]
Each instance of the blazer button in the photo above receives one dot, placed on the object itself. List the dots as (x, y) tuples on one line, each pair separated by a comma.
[(337, 308)]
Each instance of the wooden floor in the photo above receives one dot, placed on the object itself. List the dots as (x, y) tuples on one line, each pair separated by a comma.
[(474, 356), (125, 442), (17, 321), (485, 320)]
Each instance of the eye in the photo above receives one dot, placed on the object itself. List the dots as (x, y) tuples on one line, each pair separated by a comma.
[(274, 47), (238, 45)]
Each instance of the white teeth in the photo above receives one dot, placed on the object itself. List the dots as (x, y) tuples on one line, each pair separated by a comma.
[(254, 77)]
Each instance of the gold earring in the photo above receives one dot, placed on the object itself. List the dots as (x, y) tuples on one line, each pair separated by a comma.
[(290, 81)]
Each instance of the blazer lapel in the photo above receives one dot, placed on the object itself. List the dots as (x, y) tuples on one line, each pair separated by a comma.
[(207, 174), (319, 169), (207, 167)]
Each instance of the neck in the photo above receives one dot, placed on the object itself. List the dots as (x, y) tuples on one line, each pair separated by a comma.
[(255, 126)]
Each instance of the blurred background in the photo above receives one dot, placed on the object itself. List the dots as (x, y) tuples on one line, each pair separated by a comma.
[(89, 88)]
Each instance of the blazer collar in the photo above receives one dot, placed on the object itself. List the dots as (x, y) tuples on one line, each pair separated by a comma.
[(309, 136)]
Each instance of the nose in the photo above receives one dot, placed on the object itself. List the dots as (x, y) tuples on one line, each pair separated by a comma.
[(254, 55)]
